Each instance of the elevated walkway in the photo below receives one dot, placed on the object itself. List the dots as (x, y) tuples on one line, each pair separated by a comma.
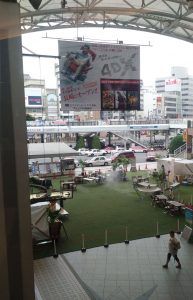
[(100, 126)]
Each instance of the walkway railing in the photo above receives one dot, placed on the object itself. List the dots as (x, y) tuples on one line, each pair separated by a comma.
[(180, 150), (109, 122)]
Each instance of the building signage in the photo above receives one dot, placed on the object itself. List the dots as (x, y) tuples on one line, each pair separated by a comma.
[(52, 100), (33, 97), (99, 76), (34, 100), (159, 101), (173, 85)]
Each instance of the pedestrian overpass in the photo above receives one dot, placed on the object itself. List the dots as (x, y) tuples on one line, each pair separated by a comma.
[(104, 128)]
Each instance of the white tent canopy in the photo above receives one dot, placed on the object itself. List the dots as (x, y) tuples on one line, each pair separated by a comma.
[(176, 167), (43, 150), (184, 167)]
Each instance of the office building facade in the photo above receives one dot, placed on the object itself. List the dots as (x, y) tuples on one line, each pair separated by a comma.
[(174, 97)]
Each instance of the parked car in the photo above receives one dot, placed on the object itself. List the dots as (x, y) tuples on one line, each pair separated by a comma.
[(96, 152), (83, 151), (150, 158), (117, 150), (127, 154), (139, 149), (97, 161), (108, 149)]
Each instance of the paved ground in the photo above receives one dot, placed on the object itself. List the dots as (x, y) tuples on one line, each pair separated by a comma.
[(135, 271), (119, 272)]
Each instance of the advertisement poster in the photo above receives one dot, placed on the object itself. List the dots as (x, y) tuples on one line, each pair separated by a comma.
[(34, 100), (99, 76)]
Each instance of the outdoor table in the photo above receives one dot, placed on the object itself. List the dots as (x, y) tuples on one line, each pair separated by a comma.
[(150, 190), (174, 185), (39, 197), (175, 203), (78, 179), (175, 207), (147, 184), (55, 195), (142, 179), (68, 185), (160, 200), (162, 197), (89, 179)]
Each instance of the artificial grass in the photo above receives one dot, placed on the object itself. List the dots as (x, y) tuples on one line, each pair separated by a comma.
[(111, 206)]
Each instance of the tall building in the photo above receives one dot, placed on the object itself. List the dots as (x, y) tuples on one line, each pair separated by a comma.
[(40, 102), (175, 94)]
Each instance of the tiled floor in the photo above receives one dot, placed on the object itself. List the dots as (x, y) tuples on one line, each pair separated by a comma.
[(54, 280), (134, 271), (119, 272)]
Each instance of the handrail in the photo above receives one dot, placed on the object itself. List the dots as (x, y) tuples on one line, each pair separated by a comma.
[(180, 150)]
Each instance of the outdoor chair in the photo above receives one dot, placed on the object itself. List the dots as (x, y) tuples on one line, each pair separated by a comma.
[(78, 179), (134, 180), (166, 209), (174, 211)]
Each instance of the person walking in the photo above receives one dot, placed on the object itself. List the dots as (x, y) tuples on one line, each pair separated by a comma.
[(174, 246)]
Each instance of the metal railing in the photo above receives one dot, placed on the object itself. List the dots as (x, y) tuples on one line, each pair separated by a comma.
[(180, 150)]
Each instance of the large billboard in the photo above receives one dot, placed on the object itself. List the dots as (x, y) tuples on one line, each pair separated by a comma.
[(33, 97), (99, 76), (34, 100)]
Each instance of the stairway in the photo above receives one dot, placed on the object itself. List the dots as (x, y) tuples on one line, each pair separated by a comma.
[(181, 152), (129, 138)]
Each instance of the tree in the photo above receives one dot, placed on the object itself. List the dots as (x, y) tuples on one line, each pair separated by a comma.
[(175, 143), (82, 165), (96, 144), (121, 161), (80, 142), (29, 117)]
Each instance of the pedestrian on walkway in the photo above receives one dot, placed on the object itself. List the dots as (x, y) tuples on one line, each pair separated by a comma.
[(174, 246)]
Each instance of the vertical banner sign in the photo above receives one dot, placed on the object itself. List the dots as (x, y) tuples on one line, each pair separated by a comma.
[(99, 76)]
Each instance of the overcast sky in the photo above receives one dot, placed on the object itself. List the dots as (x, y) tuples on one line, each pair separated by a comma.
[(156, 60)]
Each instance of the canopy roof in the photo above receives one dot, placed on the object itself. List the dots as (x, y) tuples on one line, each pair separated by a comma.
[(43, 150), (176, 166), (170, 18)]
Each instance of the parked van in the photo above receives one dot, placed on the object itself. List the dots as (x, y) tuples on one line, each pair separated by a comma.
[(126, 153)]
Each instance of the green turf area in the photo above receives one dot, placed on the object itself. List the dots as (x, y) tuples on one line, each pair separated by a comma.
[(111, 206)]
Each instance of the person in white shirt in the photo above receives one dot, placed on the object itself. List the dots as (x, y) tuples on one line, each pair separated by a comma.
[(174, 246)]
